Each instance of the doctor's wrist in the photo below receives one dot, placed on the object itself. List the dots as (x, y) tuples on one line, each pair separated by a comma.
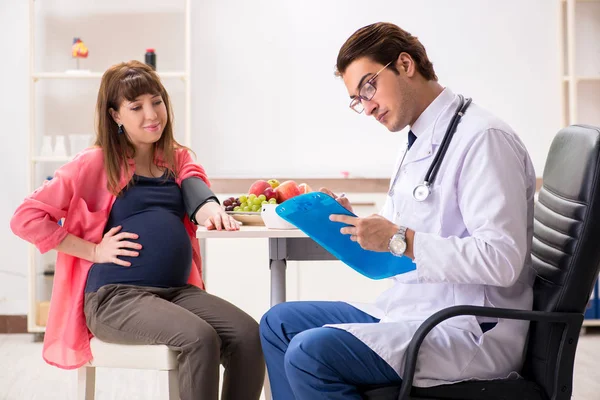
[(410, 238)]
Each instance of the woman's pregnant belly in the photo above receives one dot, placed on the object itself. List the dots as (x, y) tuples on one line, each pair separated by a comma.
[(164, 260)]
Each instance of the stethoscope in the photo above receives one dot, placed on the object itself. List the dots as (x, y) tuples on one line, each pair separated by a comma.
[(422, 191)]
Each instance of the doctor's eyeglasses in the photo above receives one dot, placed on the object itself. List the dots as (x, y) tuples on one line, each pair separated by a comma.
[(366, 92)]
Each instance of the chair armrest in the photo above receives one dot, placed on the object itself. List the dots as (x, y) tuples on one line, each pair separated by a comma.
[(573, 322)]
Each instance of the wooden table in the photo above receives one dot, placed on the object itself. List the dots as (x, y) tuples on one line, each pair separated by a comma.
[(284, 244)]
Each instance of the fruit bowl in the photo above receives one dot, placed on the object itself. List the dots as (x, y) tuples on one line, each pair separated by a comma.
[(247, 217), (246, 208)]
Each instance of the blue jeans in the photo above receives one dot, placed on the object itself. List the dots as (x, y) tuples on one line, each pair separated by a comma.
[(308, 362)]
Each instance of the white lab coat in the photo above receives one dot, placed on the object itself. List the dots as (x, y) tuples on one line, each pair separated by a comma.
[(472, 245)]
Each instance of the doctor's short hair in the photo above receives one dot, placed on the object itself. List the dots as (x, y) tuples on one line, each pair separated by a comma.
[(383, 42)]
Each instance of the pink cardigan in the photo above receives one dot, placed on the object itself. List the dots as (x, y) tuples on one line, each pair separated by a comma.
[(78, 192)]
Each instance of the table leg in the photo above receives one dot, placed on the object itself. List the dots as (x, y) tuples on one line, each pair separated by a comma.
[(278, 265), (278, 268), (203, 258)]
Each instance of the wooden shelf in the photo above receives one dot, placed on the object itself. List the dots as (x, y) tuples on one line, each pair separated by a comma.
[(49, 159), (583, 78), (33, 327), (576, 88), (94, 76)]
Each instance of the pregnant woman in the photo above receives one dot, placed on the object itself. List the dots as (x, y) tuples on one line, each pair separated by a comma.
[(128, 268)]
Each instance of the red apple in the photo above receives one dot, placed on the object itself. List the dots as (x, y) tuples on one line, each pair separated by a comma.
[(258, 187), (304, 188), (286, 190), (270, 193)]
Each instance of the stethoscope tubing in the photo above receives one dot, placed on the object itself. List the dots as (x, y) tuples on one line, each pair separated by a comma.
[(439, 157), (421, 192)]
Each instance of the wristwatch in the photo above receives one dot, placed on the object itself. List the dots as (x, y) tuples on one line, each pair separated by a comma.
[(397, 244)]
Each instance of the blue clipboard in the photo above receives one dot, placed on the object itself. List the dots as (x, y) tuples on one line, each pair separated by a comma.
[(310, 213)]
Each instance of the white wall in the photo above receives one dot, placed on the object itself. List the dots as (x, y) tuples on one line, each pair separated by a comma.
[(13, 151), (264, 71), (267, 69)]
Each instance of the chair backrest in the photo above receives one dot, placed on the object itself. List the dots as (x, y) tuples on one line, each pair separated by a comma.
[(566, 244)]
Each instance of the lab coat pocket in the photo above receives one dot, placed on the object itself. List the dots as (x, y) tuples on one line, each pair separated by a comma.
[(85, 223), (472, 295)]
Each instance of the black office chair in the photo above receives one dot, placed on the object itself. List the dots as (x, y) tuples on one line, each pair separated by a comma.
[(566, 256)]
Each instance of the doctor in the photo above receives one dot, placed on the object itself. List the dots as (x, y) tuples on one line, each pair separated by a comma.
[(460, 204)]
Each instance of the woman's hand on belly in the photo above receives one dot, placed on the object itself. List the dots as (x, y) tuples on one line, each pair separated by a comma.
[(113, 245)]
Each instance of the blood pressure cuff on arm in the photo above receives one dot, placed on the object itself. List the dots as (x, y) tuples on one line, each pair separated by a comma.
[(195, 194)]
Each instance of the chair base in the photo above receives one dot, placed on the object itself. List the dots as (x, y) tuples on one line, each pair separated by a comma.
[(501, 389)]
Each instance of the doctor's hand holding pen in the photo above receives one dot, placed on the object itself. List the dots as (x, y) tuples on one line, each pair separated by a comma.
[(342, 199)]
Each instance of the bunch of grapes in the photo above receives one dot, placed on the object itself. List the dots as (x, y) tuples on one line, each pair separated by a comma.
[(247, 203)]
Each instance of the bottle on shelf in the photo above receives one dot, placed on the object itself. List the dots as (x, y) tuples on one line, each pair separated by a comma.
[(60, 147), (150, 58), (46, 150)]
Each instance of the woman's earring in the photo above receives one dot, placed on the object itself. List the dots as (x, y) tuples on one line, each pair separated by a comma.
[(120, 129)]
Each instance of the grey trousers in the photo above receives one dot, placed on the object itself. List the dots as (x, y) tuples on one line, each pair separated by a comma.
[(206, 330)]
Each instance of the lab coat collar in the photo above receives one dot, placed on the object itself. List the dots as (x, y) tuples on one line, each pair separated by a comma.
[(429, 124), (426, 121)]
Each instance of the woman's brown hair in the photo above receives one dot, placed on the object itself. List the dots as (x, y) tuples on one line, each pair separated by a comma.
[(383, 42), (127, 81)]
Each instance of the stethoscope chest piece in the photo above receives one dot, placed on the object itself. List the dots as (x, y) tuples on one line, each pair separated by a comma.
[(421, 192)]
